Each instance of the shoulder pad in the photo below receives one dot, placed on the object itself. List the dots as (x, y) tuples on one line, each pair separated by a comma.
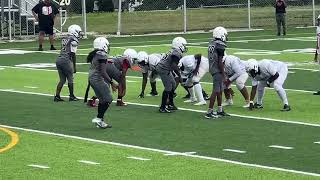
[(101, 55)]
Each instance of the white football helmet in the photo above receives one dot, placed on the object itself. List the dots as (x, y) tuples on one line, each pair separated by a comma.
[(220, 33), (180, 43), (252, 67), (143, 57), (131, 54), (75, 30), (101, 43), (228, 59)]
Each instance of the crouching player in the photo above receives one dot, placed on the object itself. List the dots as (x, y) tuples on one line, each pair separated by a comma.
[(193, 68), (165, 68), (66, 62), (235, 70), (267, 73), (99, 80), (121, 64), (147, 64)]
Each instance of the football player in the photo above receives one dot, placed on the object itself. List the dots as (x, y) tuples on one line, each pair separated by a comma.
[(66, 61), (165, 68), (236, 72), (216, 52), (147, 64), (121, 64), (99, 80), (267, 73), (193, 68)]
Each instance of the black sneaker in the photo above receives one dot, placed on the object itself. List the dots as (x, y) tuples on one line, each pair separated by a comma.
[(172, 108), (258, 106), (52, 48), (286, 108), (40, 49), (210, 115), (186, 97), (278, 34), (316, 93), (73, 98), (57, 99), (164, 110), (154, 93), (222, 114)]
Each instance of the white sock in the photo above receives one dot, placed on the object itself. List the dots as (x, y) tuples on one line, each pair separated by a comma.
[(283, 96), (219, 108), (192, 93), (260, 96), (198, 91)]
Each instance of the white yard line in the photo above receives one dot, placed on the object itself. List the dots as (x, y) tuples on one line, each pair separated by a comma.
[(234, 150), (183, 109), (317, 142), (30, 87), (88, 162), (138, 158), (38, 166), (162, 151), (281, 147), (175, 154)]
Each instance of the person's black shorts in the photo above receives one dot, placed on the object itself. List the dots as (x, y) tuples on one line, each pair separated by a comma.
[(46, 29)]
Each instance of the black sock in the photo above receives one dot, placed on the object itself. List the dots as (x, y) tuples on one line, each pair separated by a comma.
[(171, 98), (165, 95), (102, 108), (40, 45), (52, 46), (70, 86), (153, 86), (120, 98)]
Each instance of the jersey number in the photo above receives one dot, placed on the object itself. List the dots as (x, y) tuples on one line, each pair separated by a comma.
[(64, 44), (65, 2)]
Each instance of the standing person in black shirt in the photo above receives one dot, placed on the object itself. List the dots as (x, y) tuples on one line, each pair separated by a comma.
[(281, 6), (45, 13)]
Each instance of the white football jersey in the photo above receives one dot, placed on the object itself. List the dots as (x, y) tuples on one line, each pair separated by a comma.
[(189, 63), (267, 68), (234, 67), (318, 31)]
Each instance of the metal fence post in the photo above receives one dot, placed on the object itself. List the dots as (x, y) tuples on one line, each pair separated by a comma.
[(185, 16), (119, 18), (313, 13), (84, 18), (249, 14), (2, 18), (9, 20)]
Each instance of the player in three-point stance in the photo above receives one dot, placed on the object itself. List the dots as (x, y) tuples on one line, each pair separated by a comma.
[(267, 73)]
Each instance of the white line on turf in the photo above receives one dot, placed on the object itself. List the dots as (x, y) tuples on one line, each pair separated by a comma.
[(137, 77), (183, 109), (317, 142), (281, 147), (235, 151), (88, 162), (30, 87), (38, 166), (138, 158), (175, 154), (162, 151)]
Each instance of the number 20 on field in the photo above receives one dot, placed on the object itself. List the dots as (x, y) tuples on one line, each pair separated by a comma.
[(65, 2)]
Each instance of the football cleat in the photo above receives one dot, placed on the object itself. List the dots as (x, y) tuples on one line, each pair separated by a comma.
[(222, 114), (316, 93), (211, 115), (103, 125), (57, 99), (200, 103), (258, 106), (206, 97), (121, 103), (96, 120), (52, 48), (172, 108), (73, 98), (246, 105), (286, 108), (153, 93), (164, 110)]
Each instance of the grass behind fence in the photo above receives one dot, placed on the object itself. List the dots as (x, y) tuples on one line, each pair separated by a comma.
[(141, 22)]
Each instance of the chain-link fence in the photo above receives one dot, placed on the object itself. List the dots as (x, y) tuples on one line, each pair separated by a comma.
[(156, 16)]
